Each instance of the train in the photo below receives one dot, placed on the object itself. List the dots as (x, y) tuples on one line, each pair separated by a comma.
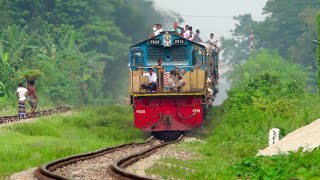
[(168, 109)]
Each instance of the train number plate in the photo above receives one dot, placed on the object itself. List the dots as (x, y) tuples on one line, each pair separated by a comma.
[(155, 41), (196, 110), (179, 41), (142, 111)]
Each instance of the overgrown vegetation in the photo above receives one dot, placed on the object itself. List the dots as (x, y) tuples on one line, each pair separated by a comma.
[(268, 92), (80, 47), (31, 144), (289, 28)]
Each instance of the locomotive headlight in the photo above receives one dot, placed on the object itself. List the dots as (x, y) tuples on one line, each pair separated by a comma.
[(167, 40)]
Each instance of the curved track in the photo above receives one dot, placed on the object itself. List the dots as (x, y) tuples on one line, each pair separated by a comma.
[(101, 164), (119, 167), (9, 119)]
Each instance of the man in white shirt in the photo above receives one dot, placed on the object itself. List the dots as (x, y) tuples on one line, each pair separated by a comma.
[(213, 42), (187, 33), (158, 30), (151, 86), (22, 92)]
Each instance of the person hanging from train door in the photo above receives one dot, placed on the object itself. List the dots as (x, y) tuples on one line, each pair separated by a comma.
[(22, 92), (151, 86)]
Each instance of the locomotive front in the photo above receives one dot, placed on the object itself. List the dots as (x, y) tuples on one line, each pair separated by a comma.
[(183, 83)]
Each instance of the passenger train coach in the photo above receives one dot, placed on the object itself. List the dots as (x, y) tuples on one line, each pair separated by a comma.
[(168, 109)]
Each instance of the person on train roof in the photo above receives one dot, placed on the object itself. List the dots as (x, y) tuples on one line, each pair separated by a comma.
[(181, 30), (196, 37), (151, 86), (176, 28), (154, 29), (212, 41), (188, 33), (158, 30)]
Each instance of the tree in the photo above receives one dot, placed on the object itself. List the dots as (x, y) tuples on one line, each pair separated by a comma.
[(237, 49), (288, 28)]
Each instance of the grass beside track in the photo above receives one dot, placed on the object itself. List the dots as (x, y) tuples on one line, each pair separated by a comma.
[(229, 148), (268, 92), (26, 145)]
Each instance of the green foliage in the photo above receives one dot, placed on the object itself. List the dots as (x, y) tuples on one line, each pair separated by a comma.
[(30, 74), (268, 92), (300, 165), (75, 44), (26, 145), (237, 49), (289, 29)]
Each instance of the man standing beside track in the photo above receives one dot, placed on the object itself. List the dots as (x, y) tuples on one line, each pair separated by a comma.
[(33, 99), (22, 92)]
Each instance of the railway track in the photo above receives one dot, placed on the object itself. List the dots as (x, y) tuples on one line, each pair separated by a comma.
[(16, 118), (108, 163)]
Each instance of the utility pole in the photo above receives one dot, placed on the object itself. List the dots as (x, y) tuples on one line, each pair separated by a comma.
[(252, 41)]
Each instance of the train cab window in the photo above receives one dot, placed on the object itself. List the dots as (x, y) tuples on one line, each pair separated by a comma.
[(137, 57), (197, 57)]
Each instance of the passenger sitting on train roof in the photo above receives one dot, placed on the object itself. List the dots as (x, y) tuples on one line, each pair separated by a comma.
[(151, 86), (176, 81), (154, 29), (158, 30), (176, 28), (196, 37), (182, 31), (191, 36), (186, 28), (186, 33)]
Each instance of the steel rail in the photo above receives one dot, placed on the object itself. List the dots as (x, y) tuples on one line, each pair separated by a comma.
[(45, 172), (16, 118), (119, 166)]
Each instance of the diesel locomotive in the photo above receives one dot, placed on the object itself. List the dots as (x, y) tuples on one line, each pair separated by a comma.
[(167, 109)]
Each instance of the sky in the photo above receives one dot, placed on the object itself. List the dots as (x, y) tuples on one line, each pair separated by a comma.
[(212, 15)]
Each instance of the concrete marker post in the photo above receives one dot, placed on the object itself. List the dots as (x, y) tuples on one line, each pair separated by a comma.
[(273, 136)]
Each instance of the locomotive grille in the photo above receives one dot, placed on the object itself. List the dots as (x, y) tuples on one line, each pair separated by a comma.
[(179, 53), (155, 53)]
